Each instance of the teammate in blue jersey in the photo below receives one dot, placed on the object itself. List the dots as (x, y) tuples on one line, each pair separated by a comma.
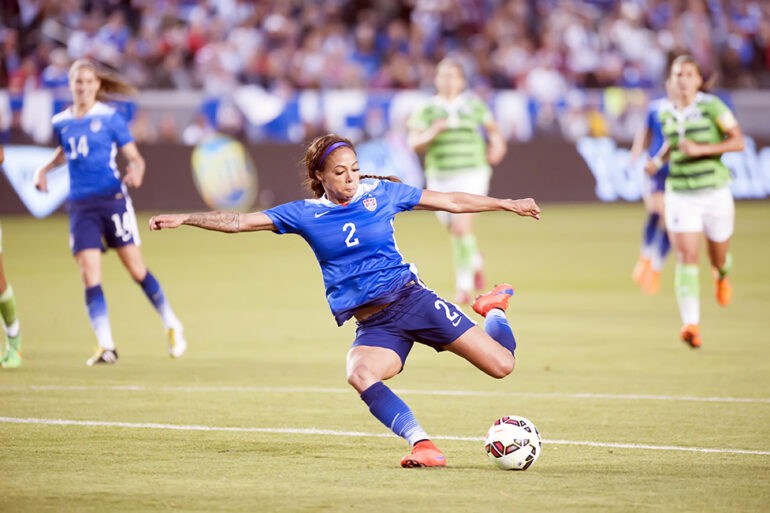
[(655, 242), (349, 226), (10, 356), (100, 211)]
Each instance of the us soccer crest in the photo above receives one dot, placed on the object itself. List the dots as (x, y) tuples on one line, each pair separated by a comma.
[(370, 204), (96, 125)]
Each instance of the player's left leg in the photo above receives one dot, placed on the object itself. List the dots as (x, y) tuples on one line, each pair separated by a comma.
[(131, 256), (718, 226)]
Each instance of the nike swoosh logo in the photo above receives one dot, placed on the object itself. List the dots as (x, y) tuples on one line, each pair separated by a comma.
[(322, 213)]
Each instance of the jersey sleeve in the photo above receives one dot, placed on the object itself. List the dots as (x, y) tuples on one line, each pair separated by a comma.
[(483, 114), (402, 196), (722, 115), (120, 129), (286, 217), (652, 118), (420, 119)]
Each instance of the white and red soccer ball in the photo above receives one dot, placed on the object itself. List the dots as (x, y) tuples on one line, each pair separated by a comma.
[(513, 443)]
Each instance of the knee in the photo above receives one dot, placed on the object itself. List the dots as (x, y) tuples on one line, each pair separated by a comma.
[(360, 377), (502, 366)]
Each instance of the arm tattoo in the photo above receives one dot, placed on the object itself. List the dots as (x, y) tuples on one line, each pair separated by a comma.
[(229, 222)]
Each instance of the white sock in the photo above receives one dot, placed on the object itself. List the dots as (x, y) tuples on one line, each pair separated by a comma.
[(170, 321), (101, 326), (13, 329)]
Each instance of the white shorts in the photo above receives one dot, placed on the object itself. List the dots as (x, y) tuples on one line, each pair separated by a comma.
[(472, 181), (711, 211)]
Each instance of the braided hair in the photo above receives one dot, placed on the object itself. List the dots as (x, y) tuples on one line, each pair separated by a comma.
[(315, 156)]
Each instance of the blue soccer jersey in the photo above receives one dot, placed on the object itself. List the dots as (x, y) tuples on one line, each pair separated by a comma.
[(354, 243), (656, 130), (91, 144)]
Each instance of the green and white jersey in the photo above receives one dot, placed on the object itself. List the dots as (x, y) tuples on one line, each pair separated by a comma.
[(461, 146), (705, 121)]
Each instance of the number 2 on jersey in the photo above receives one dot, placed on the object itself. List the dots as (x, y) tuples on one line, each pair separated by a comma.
[(349, 240), (81, 147)]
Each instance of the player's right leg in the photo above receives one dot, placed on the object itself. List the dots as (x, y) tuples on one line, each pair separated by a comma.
[(10, 356), (687, 286), (367, 367), (90, 264)]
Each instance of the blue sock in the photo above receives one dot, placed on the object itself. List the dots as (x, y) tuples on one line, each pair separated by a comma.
[(152, 290), (650, 228), (664, 244), (389, 409), (97, 314), (496, 325)]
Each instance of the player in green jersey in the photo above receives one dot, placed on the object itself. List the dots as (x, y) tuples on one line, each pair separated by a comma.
[(10, 357), (458, 159), (699, 128)]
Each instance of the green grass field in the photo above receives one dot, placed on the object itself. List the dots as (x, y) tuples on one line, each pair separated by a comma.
[(600, 370)]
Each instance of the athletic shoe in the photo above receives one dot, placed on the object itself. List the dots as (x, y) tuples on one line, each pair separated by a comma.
[(11, 360), (103, 356), (691, 335), (724, 290), (177, 344), (424, 454), (651, 282), (495, 298), (462, 297), (640, 270)]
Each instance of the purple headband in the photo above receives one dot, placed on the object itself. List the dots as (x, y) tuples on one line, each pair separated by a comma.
[(331, 149)]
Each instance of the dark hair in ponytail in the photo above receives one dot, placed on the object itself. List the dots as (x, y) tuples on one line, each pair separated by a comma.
[(315, 156)]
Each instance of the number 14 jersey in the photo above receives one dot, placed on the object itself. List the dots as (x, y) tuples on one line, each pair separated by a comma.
[(90, 144)]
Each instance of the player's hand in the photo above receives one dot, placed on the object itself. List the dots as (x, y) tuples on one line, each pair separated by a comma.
[(651, 167), (40, 181), (524, 207), (439, 125), (691, 148), (134, 175), (167, 221), (495, 154)]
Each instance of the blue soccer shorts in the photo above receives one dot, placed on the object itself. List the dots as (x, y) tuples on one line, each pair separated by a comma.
[(419, 316), (104, 220)]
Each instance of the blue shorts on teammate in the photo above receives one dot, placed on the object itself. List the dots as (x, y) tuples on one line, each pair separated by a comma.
[(419, 315), (102, 221)]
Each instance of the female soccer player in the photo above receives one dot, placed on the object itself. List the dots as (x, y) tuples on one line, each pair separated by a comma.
[(89, 134), (349, 225), (10, 357), (655, 242), (699, 129), (457, 159)]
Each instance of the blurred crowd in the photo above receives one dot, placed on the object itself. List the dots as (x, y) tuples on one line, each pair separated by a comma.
[(542, 47)]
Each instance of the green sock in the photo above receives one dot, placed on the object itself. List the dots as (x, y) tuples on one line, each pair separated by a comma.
[(8, 306), (725, 269), (463, 249), (688, 292)]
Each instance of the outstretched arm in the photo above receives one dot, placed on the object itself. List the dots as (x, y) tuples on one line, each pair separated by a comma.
[(58, 159), (228, 222), (464, 203)]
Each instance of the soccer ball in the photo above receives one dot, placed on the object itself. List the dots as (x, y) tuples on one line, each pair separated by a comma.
[(513, 443)]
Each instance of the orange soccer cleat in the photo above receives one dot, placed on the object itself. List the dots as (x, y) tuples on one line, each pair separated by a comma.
[(424, 454), (495, 298), (691, 335), (640, 270), (651, 282), (724, 289)]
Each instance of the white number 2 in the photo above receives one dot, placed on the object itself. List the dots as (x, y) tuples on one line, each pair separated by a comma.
[(81, 147), (123, 227), (451, 316), (349, 240)]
